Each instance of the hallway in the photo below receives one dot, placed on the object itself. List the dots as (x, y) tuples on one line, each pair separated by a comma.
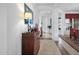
[(27, 22), (48, 47)]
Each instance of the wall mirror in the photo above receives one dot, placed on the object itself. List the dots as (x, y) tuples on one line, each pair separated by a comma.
[(28, 15)]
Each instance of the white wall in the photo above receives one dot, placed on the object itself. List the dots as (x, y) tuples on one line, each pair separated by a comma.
[(3, 29), (62, 22), (56, 13), (55, 31), (35, 13), (44, 24), (44, 17), (15, 27)]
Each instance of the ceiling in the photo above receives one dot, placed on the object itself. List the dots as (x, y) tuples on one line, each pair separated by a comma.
[(67, 7)]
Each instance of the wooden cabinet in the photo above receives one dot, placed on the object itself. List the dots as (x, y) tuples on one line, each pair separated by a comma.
[(30, 43)]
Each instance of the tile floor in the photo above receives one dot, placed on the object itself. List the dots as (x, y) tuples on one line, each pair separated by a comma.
[(62, 49), (48, 47)]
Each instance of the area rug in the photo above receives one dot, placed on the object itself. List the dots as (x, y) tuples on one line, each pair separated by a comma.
[(74, 44)]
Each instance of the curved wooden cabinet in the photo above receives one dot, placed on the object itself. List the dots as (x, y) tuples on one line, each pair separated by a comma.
[(30, 43)]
